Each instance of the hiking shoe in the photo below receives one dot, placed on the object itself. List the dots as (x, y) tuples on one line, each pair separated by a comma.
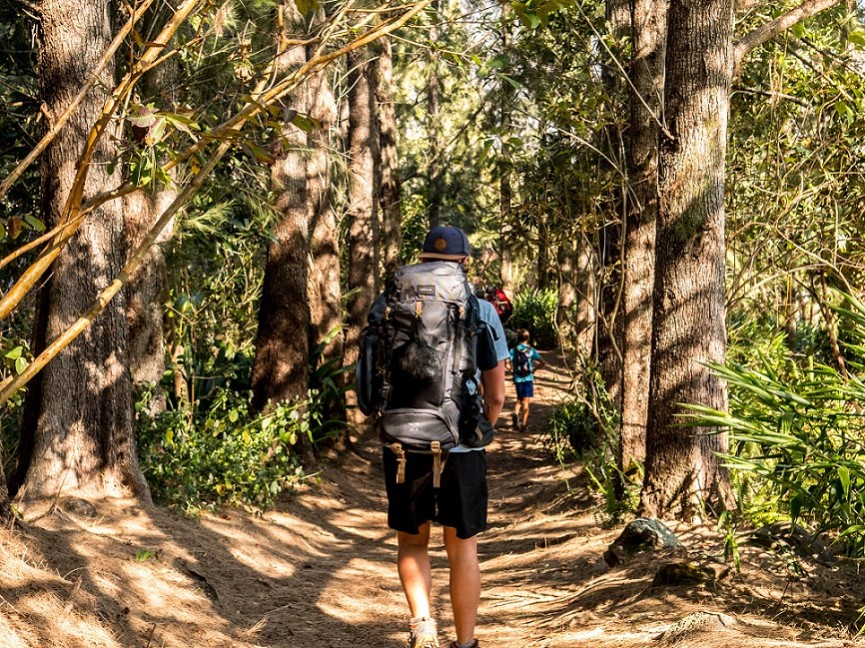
[(515, 421), (473, 644), (423, 633), (524, 428)]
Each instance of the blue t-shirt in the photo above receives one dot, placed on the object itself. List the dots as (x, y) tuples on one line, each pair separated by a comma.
[(493, 354), (490, 351), (534, 356)]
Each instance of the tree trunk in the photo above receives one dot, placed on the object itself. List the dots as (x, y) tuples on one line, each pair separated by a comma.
[(543, 254), (648, 19), (145, 290), (609, 324), (434, 175), (325, 293), (363, 206), (566, 314), (506, 194), (586, 271), (77, 430), (682, 470), (390, 184), (611, 249), (280, 372)]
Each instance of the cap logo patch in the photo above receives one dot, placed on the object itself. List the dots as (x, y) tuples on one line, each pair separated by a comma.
[(440, 244)]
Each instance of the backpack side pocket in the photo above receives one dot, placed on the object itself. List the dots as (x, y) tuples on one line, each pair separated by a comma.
[(368, 380)]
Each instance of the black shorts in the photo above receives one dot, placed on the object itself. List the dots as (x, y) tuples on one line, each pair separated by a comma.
[(460, 502)]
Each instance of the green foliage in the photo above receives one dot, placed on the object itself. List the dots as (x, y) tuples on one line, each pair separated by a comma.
[(214, 450), (571, 430), (535, 310), (143, 555), (796, 443), (585, 427), (222, 454)]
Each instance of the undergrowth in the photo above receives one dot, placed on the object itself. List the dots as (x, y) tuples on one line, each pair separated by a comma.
[(797, 449)]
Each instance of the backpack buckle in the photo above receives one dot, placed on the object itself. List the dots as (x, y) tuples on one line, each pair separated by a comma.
[(400, 462), (436, 448)]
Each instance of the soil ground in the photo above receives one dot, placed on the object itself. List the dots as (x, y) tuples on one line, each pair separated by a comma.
[(318, 572)]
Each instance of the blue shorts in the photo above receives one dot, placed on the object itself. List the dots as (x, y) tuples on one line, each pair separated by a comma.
[(525, 389)]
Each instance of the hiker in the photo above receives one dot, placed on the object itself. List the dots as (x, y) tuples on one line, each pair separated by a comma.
[(436, 398), (504, 309), (499, 300), (523, 360)]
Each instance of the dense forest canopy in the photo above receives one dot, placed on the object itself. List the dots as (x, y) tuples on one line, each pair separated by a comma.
[(200, 200)]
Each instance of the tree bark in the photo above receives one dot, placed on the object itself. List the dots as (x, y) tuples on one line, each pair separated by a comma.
[(77, 429), (280, 373), (325, 292), (611, 249), (506, 194), (145, 290), (566, 314), (586, 309), (682, 470), (434, 174), (648, 27), (390, 184), (363, 194)]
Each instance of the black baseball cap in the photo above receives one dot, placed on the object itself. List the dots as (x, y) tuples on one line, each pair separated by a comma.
[(446, 242)]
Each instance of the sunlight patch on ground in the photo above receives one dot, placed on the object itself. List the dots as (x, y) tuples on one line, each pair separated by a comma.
[(346, 603), (358, 522), (43, 610), (162, 590)]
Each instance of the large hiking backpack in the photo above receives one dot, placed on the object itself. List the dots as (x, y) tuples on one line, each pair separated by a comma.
[(418, 362), (523, 362)]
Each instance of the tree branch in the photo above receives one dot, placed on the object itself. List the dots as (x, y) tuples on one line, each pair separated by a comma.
[(260, 99), (72, 208), (767, 32), (54, 126)]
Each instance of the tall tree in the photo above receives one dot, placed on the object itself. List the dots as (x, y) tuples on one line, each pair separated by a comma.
[(390, 182), (281, 368), (611, 235), (145, 290), (683, 471), (363, 197), (435, 181), (649, 33), (77, 429), (325, 293), (506, 193)]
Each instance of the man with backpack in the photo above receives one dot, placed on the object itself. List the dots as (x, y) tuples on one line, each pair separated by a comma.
[(522, 361), (431, 370)]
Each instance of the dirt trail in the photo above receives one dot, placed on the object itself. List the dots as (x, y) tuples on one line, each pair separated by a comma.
[(319, 572)]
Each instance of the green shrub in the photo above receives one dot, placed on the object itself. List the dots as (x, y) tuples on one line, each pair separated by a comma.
[(585, 427), (571, 429), (222, 454), (797, 448), (215, 451), (535, 310)]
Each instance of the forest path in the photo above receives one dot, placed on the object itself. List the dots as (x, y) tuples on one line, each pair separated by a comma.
[(319, 571)]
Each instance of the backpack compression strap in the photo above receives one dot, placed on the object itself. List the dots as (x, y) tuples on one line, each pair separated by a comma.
[(438, 466)]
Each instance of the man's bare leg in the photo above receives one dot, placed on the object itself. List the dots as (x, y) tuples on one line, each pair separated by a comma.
[(465, 582), (414, 570)]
